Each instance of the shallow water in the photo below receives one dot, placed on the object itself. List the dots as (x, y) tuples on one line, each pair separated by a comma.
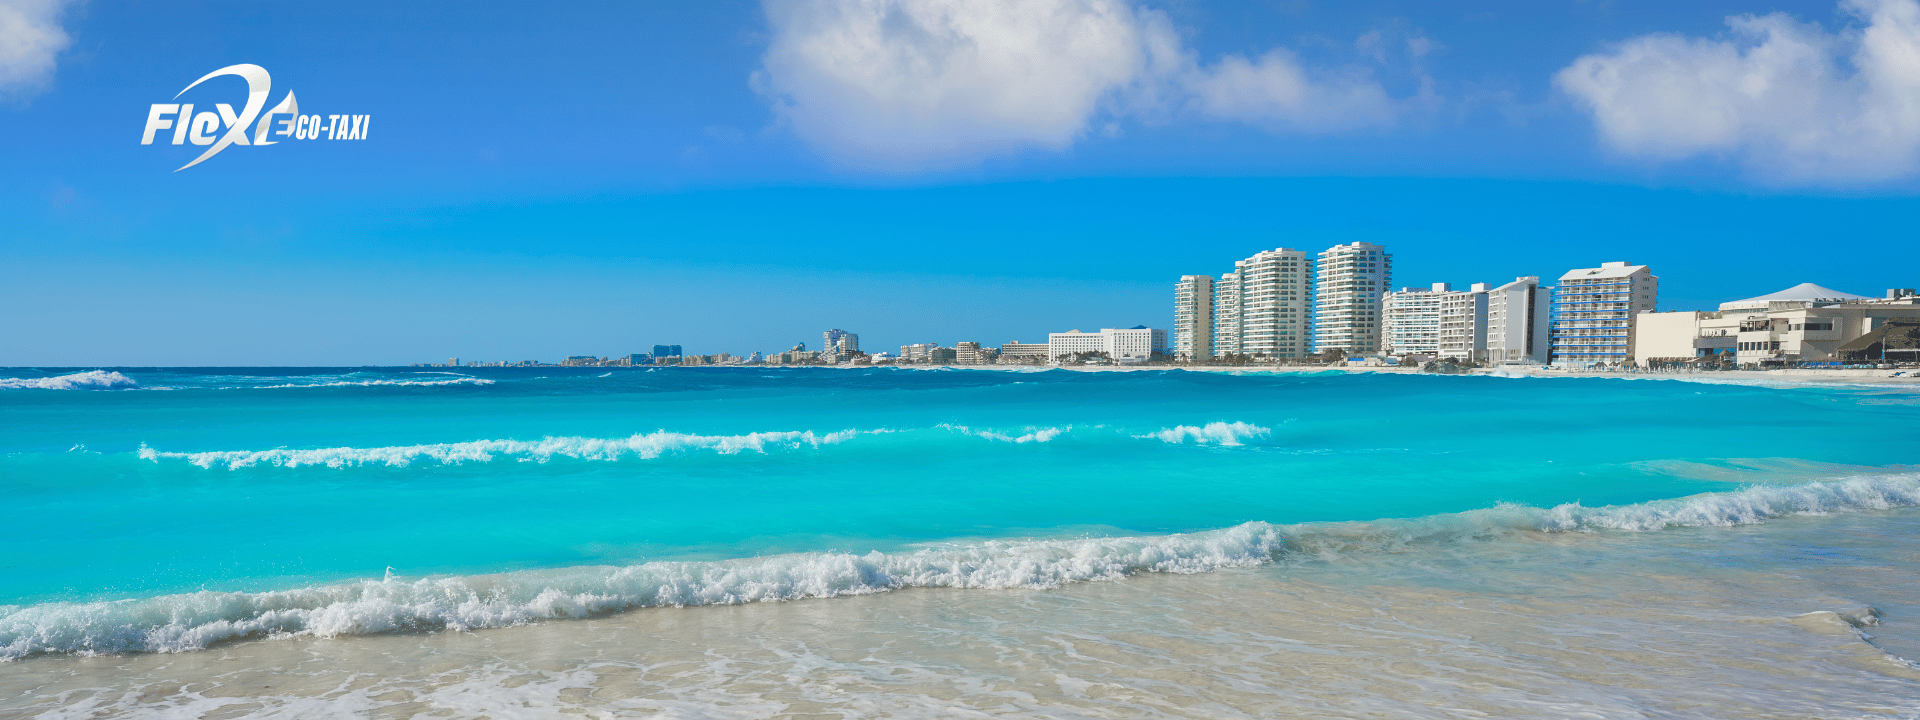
[(1264, 545)]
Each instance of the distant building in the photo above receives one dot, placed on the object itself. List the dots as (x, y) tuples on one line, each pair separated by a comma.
[(1275, 312), (1349, 285), (1136, 344), (970, 353), (1226, 315), (1463, 324), (1193, 317), (638, 359), (1073, 342), (1262, 308), (1594, 310), (840, 343), (1019, 352), (453, 362), (1517, 323), (918, 352), (666, 351), (580, 361), (1410, 320)]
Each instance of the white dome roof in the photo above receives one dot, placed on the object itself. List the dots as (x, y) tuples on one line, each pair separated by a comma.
[(1804, 292)]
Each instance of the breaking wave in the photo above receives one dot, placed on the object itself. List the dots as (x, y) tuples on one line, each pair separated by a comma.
[(90, 380), (191, 621), (1216, 433), (373, 383), (642, 446), (1029, 435)]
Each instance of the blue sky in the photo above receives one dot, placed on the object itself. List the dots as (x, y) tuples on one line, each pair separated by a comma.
[(560, 179)]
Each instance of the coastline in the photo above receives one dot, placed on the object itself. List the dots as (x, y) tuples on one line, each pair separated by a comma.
[(1798, 376)]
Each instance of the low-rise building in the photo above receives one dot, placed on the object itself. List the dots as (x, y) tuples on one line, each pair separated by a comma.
[(970, 353), (1804, 323), (1135, 344), (1019, 352)]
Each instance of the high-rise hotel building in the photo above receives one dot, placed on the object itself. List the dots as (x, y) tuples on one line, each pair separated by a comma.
[(1594, 309), (1193, 317), (1226, 315), (1517, 321), (1349, 282), (1410, 321), (1261, 308), (1275, 289)]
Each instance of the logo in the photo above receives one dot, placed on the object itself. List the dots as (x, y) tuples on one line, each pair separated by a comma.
[(226, 128)]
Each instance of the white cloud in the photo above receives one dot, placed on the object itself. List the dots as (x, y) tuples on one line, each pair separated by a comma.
[(1777, 96), (1277, 92), (910, 84), (30, 39)]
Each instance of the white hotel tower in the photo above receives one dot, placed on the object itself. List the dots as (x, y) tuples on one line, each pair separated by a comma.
[(1261, 308), (1193, 317), (1594, 309), (1349, 283)]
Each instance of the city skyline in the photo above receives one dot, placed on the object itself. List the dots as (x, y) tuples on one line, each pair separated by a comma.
[(638, 172)]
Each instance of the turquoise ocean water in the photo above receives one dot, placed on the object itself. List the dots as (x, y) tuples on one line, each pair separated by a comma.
[(170, 509)]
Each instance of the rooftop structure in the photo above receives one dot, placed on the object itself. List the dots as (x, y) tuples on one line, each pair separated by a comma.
[(1804, 293)]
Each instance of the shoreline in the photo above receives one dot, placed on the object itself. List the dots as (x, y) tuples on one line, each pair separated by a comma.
[(1794, 375)]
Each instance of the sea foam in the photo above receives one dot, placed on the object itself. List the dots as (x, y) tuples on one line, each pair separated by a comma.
[(372, 383), (1029, 435), (1216, 433), (191, 621), (90, 380), (641, 446)]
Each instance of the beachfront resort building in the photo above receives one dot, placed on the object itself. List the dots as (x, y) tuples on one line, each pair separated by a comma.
[(1226, 315), (1517, 323), (1193, 317), (839, 344), (1125, 345), (1349, 285), (1259, 309), (1275, 286), (1803, 323), (930, 353), (971, 353), (1594, 311), (1019, 352), (1410, 318), (1463, 324)]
